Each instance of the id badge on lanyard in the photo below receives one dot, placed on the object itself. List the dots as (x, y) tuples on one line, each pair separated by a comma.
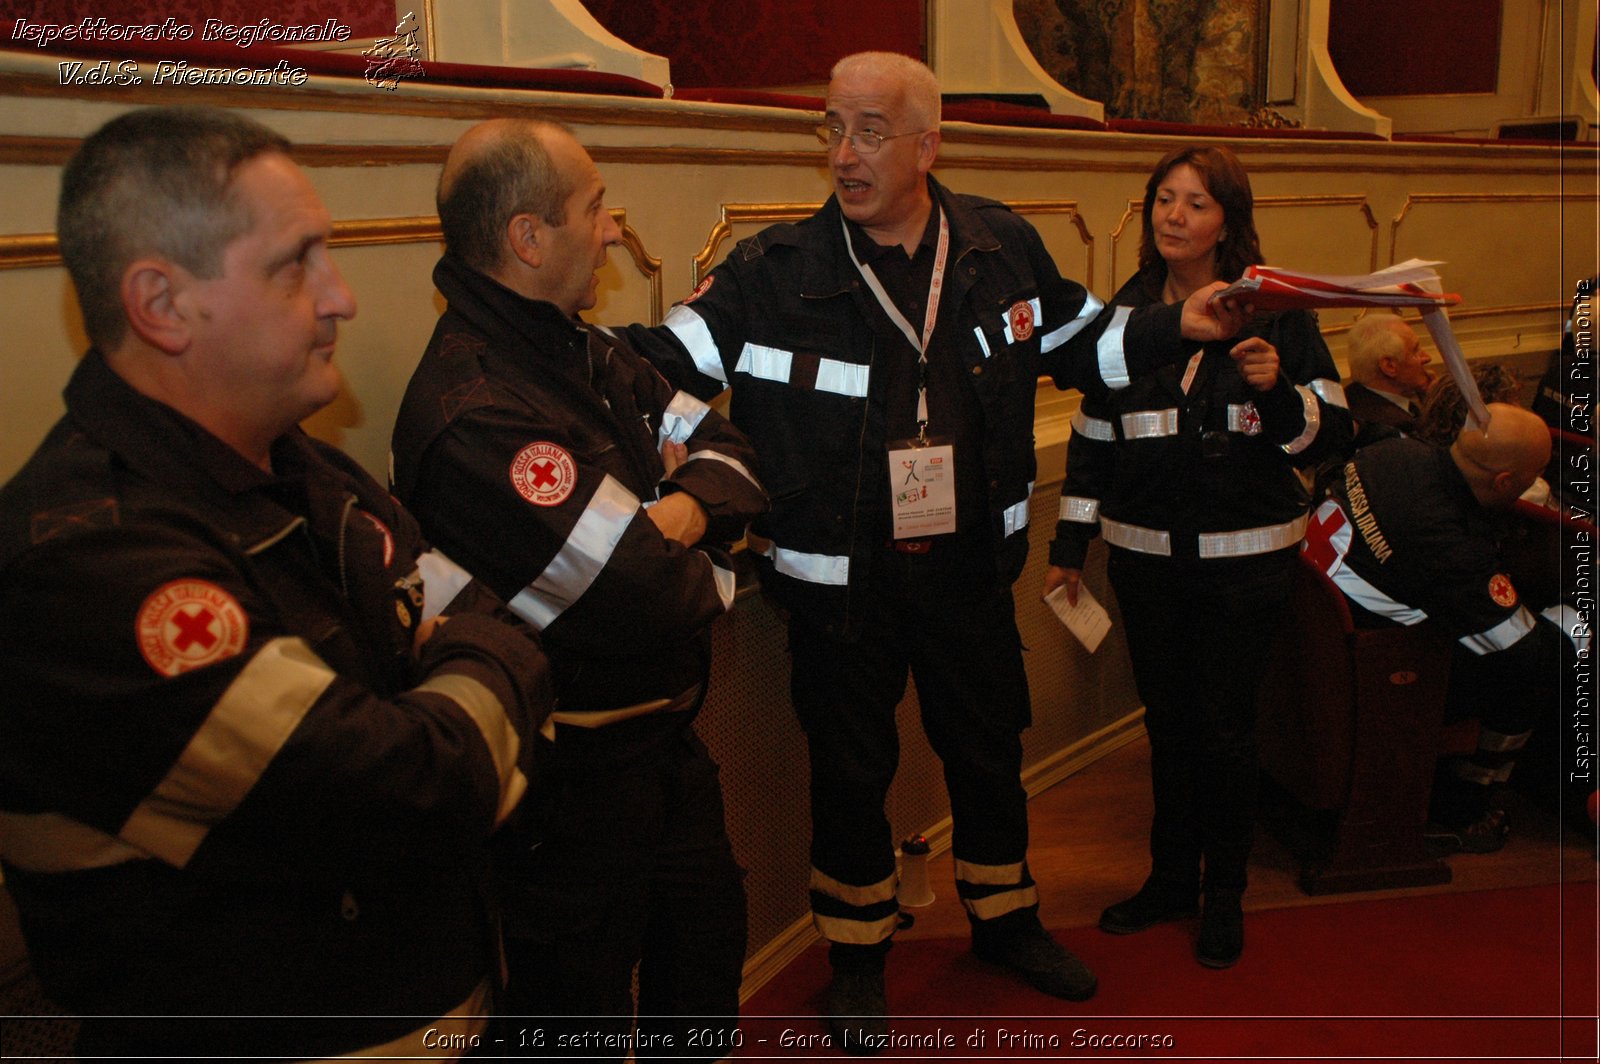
[(922, 485), (922, 471)]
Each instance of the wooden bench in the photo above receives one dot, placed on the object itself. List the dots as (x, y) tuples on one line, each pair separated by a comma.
[(1349, 727)]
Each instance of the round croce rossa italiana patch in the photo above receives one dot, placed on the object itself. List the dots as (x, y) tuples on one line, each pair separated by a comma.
[(1501, 591), (544, 474), (188, 624), (1021, 315)]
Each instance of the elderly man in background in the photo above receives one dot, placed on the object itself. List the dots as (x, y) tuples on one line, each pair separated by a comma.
[(246, 767), (1389, 376)]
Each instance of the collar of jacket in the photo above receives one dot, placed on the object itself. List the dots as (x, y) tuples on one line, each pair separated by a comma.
[(173, 451), (826, 268), (489, 306)]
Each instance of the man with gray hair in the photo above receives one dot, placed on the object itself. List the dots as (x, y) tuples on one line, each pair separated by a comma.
[(246, 769), (883, 356), (563, 471), (1389, 376)]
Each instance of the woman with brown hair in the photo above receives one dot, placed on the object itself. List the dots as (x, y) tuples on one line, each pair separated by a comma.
[(1189, 473)]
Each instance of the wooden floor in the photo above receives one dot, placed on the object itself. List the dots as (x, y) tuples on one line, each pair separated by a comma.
[(1089, 836)]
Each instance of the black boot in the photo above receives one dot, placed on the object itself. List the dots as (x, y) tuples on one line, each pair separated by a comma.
[(1027, 948), (1221, 938), (1155, 903), (854, 1005)]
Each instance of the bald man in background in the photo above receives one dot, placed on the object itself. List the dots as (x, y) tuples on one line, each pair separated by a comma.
[(1412, 532)]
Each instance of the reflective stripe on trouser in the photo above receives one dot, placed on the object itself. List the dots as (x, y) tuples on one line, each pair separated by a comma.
[(1494, 759), (991, 891), (858, 915), (947, 625)]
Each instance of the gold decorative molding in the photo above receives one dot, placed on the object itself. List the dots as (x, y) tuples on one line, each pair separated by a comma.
[(647, 264), (29, 249), (1135, 209), (24, 250), (737, 213), (1070, 209), (1501, 198)]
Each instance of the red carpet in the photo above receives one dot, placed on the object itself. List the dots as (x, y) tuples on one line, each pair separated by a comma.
[(1502, 973)]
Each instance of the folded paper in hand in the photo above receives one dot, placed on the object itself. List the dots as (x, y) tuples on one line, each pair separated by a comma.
[(1412, 283), (1088, 620)]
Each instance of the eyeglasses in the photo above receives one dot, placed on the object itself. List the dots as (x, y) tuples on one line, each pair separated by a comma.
[(865, 143)]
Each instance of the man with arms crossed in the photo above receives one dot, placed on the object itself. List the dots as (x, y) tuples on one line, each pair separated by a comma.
[(562, 470)]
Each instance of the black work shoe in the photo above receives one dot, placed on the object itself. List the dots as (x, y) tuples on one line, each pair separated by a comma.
[(1151, 906), (1486, 834), (1038, 958), (855, 1007), (1221, 938)]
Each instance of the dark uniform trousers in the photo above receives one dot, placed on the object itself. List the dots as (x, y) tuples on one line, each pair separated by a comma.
[(943, 617), (595, 879), (1199, 633)]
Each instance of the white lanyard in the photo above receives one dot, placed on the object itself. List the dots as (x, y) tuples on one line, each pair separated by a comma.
[(935, 289)]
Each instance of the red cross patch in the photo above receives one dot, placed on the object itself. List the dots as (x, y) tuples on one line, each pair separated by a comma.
[(701, 289), (188, 624), (1250, 420), (388, 537), (1322, 546), (544, 474), (1501, 591), (1021, 317)]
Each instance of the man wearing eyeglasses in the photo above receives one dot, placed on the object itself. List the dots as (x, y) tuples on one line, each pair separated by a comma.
[(882, 356)]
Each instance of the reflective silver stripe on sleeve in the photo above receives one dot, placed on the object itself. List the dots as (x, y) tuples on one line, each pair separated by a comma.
[(1150, 424), (234, 745), (1502, 636), (1249, 541), (983, 341), (842, 378), (1113, 362), (1093, 427), (1014, 518), (442, 581), (1079, 509), (499, 735), (585, 553), (1133, 537), (695, 335), (718, 456), (812, 568), (681, 417), (1054, 339), (1038, 314), (1331, 392), (776, 364), (1313, 416), (727, 583), (51, 842), (1572, 625)]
